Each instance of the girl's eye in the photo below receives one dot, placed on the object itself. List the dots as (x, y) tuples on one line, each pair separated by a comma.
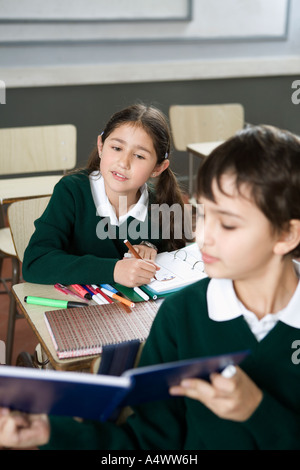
[(140, 157), (228, 227), (117, 149)]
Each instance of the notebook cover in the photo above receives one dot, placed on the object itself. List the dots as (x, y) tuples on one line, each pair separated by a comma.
[(78, 332), (61, 393), (153, 383)]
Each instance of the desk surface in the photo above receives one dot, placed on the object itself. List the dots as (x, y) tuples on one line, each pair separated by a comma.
[(14, 189), (35, 317), (203, 149)]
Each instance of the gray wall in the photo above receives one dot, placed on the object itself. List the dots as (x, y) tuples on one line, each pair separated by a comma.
[(266, 100)]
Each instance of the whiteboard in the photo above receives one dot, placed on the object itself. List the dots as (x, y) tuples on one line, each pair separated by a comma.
[(94, 10), (241, 18), (154, 20)]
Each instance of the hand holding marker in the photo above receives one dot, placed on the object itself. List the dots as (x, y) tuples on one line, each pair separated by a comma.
[(135, 254)]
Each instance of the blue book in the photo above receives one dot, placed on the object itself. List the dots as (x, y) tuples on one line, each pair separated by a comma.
[(97, 396)]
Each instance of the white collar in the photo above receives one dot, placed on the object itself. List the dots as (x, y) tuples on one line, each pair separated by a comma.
[(104, 207), (224, 305)]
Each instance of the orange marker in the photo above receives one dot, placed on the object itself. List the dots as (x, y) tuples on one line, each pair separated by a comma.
[(117, 297)]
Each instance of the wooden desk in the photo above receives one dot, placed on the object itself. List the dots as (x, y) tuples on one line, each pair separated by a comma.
[(34, 314), (200, 150)]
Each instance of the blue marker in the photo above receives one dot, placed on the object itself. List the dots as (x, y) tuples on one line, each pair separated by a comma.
[(109, 287)]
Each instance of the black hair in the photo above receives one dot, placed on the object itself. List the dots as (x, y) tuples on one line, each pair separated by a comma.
[(265, 158)]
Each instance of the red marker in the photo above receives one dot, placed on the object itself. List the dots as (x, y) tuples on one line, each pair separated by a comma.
[(99, 291), (81, 291)]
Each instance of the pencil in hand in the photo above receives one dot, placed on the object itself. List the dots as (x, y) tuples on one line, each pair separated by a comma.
[(133, 251)]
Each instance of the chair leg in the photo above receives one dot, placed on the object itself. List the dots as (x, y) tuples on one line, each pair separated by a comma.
[(12, 315)]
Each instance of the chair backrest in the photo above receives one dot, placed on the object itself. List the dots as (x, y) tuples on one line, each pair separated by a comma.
[(37, 149), (192, 124), (21, 216)]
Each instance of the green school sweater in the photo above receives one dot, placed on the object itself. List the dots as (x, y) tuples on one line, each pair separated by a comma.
[(68, 245), (181, 330)]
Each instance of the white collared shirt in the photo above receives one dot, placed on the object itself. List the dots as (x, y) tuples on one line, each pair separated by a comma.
[(224, 305), (104, 207)]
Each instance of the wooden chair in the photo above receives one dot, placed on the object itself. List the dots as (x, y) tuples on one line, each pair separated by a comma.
[(21, 217), (198, 129), (35, 152)]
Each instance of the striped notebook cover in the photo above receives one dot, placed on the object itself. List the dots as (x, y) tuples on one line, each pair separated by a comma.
[(84, 331)]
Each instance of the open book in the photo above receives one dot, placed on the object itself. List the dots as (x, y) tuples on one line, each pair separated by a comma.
[(95, 396), (177, 269)]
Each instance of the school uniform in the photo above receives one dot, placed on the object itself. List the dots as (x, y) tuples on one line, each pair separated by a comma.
[(78, 239), (206, 319)]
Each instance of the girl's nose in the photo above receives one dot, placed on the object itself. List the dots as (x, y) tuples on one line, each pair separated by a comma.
[(208, 231), (124, 160)]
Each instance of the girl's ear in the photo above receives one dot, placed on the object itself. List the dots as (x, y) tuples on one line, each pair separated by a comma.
[(289, 239), (99, 145), (161, 167)]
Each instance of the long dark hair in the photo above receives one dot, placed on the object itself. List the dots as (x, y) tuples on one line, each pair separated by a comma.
[(267, 159), (155, 124)]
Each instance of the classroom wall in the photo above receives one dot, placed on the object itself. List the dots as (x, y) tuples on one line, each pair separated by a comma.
[(83, 81), (266, 100)]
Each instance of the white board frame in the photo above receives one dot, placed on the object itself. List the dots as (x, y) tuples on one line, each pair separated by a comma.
[(201, 21)]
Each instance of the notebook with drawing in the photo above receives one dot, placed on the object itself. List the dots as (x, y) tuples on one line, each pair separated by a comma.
[(84, 331), (178, 269)]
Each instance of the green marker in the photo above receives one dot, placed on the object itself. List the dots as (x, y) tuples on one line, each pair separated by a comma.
[(29, 299)]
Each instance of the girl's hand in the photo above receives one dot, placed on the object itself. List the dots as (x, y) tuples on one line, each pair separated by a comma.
[(19, 430), (145, 252), (132, 272), (234, 398)]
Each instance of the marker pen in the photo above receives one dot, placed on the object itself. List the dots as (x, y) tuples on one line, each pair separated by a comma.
[(29, 299), (109, 287), (66, 291), (98, 299), (117, 297), (141, 293), (102, 295), (81, 291)]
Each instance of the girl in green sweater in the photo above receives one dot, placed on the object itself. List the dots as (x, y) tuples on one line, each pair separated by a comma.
[(79, 238), (250, 189)]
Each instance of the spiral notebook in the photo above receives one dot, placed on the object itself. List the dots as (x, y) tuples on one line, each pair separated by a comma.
[(84, 331), (177, 269)]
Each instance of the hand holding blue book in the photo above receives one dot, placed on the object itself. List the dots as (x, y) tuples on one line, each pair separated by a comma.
[(95, 396)]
